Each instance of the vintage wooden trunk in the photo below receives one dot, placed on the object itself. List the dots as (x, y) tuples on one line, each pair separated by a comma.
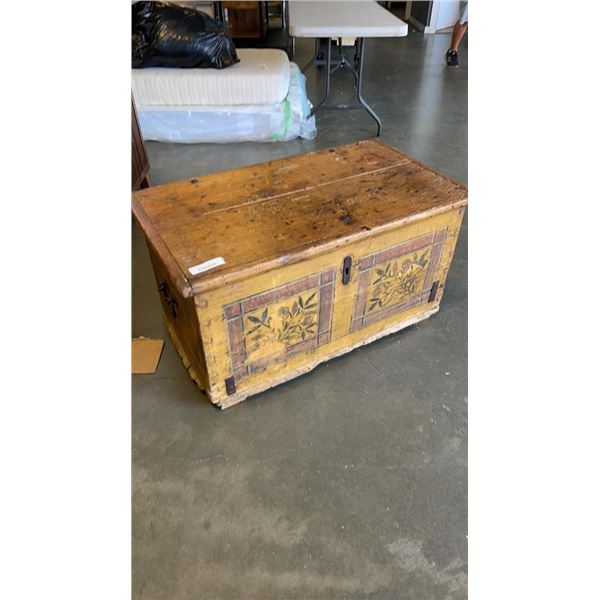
[(266, 271)]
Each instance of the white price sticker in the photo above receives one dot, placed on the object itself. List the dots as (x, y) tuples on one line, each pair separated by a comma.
[(206, 265)]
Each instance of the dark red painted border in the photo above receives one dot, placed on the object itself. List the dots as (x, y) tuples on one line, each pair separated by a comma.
[(234, 313), (434, 239)]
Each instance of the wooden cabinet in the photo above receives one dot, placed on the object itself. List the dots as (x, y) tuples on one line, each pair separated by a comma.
[(245, 19), (140, 167), (269, 270)]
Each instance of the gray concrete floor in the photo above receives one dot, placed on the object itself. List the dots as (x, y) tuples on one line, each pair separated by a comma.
[(348, 482)]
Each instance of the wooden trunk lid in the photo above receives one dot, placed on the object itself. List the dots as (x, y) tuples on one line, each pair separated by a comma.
[(259, 217)]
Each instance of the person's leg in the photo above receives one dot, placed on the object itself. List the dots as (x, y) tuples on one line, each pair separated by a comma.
[(457, 35)]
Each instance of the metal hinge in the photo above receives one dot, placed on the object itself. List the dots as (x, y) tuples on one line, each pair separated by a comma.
[(230, 386), (434, 289), (165, 292)]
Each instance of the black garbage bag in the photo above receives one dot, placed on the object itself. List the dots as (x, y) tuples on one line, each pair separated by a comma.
[(168, 35)]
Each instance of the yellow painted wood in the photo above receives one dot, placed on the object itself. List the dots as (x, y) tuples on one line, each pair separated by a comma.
[(343, 339)]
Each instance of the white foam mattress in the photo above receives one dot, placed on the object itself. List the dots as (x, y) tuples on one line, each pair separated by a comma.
[(261, 77), (231, 124)]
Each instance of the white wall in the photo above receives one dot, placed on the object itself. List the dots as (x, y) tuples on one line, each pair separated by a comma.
[(447, 14), (444, 14)]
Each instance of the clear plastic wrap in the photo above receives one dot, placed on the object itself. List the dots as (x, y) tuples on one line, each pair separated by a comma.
[(279, 122)]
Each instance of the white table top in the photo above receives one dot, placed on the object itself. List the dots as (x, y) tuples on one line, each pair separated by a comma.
[(360, 18)]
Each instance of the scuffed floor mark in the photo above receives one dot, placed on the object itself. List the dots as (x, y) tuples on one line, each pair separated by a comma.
[(410, 557)]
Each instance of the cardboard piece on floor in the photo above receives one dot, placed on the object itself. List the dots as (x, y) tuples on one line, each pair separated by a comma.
[(145, 354)]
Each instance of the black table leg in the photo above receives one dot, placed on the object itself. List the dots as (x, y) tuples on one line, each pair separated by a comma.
[(327, 77), (360, 50), (342, 62), (314, 58)]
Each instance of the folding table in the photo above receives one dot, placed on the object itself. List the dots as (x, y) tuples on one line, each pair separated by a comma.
[(336, 19)]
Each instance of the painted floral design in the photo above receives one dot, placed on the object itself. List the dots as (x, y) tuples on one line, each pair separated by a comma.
[(395, 282), (288, 325)]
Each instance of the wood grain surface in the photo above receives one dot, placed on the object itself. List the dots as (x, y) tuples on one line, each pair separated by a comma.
[(283, 211)]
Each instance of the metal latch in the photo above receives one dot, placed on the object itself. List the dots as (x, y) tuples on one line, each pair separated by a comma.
[(346, 268)]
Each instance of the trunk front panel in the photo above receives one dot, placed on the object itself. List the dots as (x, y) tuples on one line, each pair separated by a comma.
[(275, 326)]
